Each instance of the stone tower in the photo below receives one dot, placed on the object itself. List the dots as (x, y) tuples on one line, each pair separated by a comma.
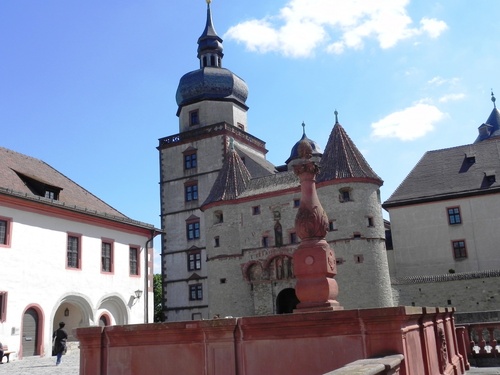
[(211, 109)]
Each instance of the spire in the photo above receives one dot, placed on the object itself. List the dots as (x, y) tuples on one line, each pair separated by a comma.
[(210, 44), (493, 99), (342, 159), (232, 179), (336, 117)]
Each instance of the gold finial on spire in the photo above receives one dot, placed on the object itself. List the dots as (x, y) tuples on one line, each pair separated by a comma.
[(209, 1)]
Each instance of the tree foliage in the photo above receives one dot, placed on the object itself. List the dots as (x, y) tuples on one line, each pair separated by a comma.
[(158, 298)]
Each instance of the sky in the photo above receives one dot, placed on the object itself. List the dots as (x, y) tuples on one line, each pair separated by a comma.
[(89, 86)]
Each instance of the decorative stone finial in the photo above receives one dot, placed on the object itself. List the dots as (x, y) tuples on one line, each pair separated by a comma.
[(313, 261), (336, 117), (493, 99)]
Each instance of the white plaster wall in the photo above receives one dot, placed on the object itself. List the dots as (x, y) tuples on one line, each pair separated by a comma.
[(33, 272), (423, 238)]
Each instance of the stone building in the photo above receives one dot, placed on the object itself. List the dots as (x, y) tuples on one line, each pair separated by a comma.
[(444, 222), (66, 256), (228, 214)]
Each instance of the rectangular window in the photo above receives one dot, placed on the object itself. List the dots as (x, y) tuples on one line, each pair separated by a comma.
[(4, 232), (191, 193), (134, 261), (107, 257), (459, 250), (194, 117), (73, 252), (296, 203), (454, 215), (196, 292), (190, 161), (370, 221), (216, 241), (194, 261), (256, 210), (193, 230), (346, 196), (332, 225), (293, 237), (3, 307), (265, 241)]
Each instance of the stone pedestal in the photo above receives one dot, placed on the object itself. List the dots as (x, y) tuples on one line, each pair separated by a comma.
[(313, 261)]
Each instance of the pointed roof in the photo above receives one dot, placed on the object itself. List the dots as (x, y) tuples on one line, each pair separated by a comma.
[(209, 41), (232, 179), (342, 159), (491, 128)]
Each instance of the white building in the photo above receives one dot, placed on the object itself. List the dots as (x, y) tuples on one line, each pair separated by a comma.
[(444, 221), (66, 256)]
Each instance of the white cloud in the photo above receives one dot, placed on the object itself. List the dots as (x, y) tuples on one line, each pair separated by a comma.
[(302, 26), (408, 124), (439, 81), (451, 97)]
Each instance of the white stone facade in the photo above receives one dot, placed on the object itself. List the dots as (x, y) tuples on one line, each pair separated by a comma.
[(40, 289)]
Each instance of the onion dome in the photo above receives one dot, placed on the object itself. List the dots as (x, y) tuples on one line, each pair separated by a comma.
[(211, 81), (294, 154)]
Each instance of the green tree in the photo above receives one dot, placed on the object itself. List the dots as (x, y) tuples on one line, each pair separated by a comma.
[(158, 298)]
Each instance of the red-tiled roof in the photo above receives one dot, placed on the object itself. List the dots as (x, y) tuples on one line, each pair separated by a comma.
[(19, 174), (342, 159)]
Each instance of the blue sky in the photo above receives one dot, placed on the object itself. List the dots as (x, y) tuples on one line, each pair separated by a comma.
[(89, 86)]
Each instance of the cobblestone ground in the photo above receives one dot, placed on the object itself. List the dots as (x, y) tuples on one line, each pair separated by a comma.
[(70, 365)]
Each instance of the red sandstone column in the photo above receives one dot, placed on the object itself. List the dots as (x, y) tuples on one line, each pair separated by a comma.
[(314, 261)]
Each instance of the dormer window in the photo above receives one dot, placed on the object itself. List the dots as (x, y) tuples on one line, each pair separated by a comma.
[(470, 158), (490, 177), (40, 188)]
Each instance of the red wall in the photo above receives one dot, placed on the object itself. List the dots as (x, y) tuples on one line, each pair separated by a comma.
[(294, 344)]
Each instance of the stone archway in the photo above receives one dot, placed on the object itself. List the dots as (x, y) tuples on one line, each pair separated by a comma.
[(75, 311), (286, 301), (115, 309)]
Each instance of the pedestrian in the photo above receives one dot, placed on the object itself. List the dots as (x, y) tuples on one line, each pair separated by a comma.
[(1, 353), (60, 337)]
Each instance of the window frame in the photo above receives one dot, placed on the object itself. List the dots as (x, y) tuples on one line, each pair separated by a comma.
[(8, 231), (255, 210), (190, 160), (194, 117), (78, 257), (452, 216), (110, 242), (265, 241), (193, 226), (194, 261), (462, 249), (137, 263), (191, 191), (196, 292)]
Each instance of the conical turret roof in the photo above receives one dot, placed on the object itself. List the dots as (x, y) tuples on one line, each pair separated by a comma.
[(491, 128), (342, 159), (232, 180)]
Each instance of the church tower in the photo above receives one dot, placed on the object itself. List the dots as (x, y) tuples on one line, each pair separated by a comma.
[(211, 110)]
